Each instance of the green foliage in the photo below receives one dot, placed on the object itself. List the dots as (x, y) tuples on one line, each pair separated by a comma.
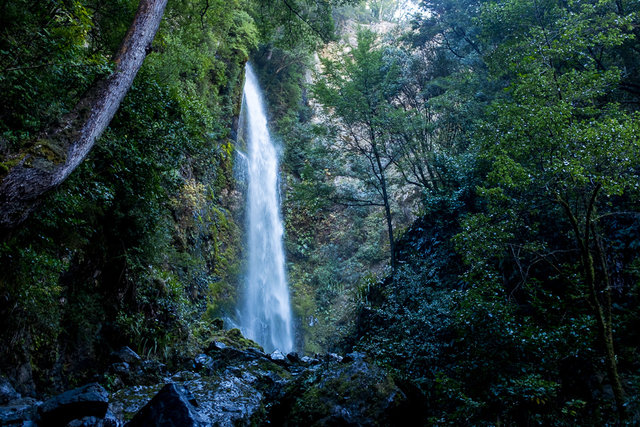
[(542, 223), (48, 56), (507, 132), (293, 24), (141, 239)]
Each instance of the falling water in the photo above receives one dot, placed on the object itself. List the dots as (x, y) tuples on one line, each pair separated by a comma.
[(265, 315)]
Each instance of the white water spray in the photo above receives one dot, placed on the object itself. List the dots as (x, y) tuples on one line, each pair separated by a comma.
[(265, 315)]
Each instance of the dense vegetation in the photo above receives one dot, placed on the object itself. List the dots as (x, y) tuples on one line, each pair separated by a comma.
[(460, 197), (140, 238), (510, 129)]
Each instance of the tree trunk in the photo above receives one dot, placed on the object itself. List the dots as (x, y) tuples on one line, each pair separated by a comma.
[(602, 313), (387, 205), (605, 332), (392, 242), (57, 152)]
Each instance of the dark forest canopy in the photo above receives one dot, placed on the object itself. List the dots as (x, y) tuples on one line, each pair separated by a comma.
[(460, 192)]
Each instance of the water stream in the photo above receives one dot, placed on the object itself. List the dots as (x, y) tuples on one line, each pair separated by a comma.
[(265, 311)]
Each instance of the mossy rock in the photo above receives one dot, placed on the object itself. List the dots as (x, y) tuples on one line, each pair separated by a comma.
[(354, 393), (126, 402), (233, 338)]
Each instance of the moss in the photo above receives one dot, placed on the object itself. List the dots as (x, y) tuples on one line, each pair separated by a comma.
[(233, 338), (6, 166), (4, 169), (345, 393), (45, 149), (127, 402), (223, 253)]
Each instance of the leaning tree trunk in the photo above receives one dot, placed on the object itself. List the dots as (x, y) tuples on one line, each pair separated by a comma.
[(58, 152)]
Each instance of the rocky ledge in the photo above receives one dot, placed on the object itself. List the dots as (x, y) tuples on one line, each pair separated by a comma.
[(225, 385)]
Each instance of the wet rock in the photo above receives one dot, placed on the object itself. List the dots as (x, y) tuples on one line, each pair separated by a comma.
[(331, 357), (125, 403), (350, 393), (225, 356), (350, 357), (239, 394), (256, 352), (125, 354), (170, 407), (183, 376), (203, 362), (294, 357), (89, 400), (120, 369), (108, 421), (19, 412), (149, 372), (309, 361), (7, 392), (217, 345), (278, 356), (145, 372), (153, 365)]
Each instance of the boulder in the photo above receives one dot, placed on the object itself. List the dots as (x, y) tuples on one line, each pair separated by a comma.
[(223, 356), (230, 338), (19, 412), (121, 369), (217, 345), (89, 400), (294, 357), (241, 393), (348, 393), (145, 372), (125, 354), (278, 356), (7, 392), (331, 357), (108, 421), (350, 357), (306, 360), (170, 407), (149, 372), (238, 391), (255, 351), (203, 362), (153, 366)]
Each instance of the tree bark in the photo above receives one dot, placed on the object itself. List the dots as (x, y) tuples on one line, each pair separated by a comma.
[(57, 152)]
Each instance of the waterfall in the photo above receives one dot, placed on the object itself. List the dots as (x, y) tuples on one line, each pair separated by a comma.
[(265, 311)]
